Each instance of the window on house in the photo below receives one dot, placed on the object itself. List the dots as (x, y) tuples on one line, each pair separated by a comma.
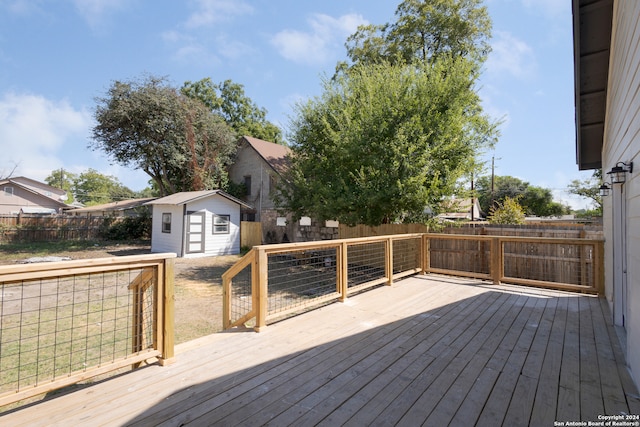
[(247, 184), (8, 191), (166, 223), (221, 224)]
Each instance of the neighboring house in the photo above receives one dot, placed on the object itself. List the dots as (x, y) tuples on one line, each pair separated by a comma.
[(607, 66), (260, 165), (196, 224), (122, 208), (462, 210), (25, 195)]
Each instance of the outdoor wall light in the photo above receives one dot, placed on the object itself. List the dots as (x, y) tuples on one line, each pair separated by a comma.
[(618, 172), (604, 190)]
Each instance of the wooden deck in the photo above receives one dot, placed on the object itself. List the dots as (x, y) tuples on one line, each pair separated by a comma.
[(429, 350)]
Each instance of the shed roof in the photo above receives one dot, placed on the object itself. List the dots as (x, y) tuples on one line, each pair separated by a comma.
[(276, 155), (185, 197), (120, 205)]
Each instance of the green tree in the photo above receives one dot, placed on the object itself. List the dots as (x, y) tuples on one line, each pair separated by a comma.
[(63, 180), (385, 142), (508, 211), (534, 200), (590, 189), (93, 188), (173, 138), (423, 32), (228, 100)]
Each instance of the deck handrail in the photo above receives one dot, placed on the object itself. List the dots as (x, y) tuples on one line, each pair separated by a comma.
[(68, 321), (493, 258)]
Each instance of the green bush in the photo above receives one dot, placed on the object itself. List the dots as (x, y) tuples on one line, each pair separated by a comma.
[(507, 212)]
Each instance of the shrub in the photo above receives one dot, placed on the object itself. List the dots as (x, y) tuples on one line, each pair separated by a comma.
[(128, 228), (507, 212)]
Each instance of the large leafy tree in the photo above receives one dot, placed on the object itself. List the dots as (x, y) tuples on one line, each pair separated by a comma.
[(423, 32), (89, 187), (173, 138), (93, 188), (590, 189), (63, 180), (400, 124), (228, 100), (534, 200), (384, 142)]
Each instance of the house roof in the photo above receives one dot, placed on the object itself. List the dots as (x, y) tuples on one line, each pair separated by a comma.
[(120, 205), (28, 185), (191, 196), (36, 187), (276, 155), (592, 23)]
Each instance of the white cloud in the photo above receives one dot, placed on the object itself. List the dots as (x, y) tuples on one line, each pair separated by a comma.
[(22, 7), (549, 8), (319, 45), (511, 55), (211, 11), (94, 12), (34, 130), (188, 48)]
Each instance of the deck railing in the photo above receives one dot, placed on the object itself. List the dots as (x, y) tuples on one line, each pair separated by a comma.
[(275, 281), (65, 322)]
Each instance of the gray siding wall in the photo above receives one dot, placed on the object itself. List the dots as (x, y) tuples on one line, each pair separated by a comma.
[(622, 143), (249, 163), (167, 242)]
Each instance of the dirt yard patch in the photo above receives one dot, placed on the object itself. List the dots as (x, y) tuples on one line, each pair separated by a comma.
[(198, 283)]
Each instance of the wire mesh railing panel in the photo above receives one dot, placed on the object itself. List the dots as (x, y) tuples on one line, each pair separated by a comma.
[(298, 277), (50, 328), (366, 262), (406, 254), (241, 297), (550, 262), (466, 255)]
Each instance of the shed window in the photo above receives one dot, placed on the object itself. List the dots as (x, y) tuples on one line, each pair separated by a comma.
[(8, 191), (166, 222), (221, 224)]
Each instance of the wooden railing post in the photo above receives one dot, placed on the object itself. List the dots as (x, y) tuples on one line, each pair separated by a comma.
[(598, 266), (497, 260), (226, 301), (168, 324), (426, 254), (342, 271), (260, 288), (388, 265)]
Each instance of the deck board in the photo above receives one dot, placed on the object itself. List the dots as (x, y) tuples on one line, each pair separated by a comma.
[(429, 350)]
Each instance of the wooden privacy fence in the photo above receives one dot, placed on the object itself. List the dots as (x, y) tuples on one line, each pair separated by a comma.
[(31, 228), (275, 281), (250, 234), (64, 322)]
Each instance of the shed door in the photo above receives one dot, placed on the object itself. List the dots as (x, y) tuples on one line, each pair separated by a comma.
[(195, 232)]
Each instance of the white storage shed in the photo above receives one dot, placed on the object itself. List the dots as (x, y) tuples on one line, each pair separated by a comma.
[(196, 224)]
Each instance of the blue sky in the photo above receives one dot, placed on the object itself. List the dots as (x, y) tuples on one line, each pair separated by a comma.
[(57, 56)]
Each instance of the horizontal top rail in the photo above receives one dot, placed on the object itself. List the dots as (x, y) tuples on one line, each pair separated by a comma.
[(570, 241), (10, 273), (240, 265), (283, 247)]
